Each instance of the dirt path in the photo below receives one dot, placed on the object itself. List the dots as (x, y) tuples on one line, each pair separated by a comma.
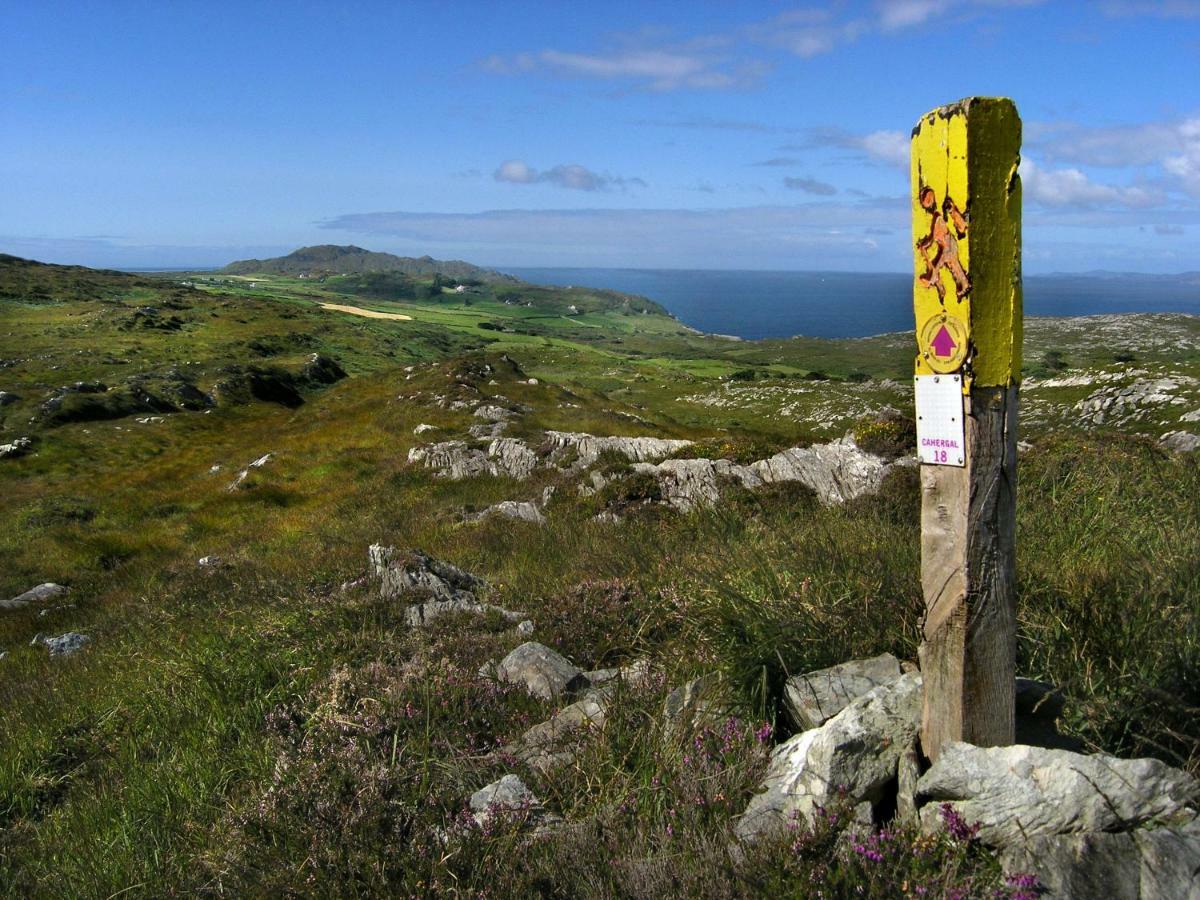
[(366, 313)]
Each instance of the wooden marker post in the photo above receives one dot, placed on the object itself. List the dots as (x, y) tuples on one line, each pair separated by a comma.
[(966, 206)]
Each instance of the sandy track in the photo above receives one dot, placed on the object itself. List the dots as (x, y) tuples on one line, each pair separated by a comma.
[(366, 313)]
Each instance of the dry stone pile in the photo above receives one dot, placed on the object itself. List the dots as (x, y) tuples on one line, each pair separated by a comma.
[(1093, 827)]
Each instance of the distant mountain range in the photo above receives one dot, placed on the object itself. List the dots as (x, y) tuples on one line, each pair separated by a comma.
[(331, 259)]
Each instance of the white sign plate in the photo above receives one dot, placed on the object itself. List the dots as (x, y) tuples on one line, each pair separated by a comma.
[(940, 432)]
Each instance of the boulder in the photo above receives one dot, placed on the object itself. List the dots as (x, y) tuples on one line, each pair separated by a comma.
[(1145, 864), (814, 698), (1021, 792), (18, 447), (320, 370), (837, 471), (857, 751), (210, 562), (512, 457), (687, 484), (420, 614), (509, 799), (1180, 441), (697, 700), (423, 428), (542, 671), (7, 397), (452, 459), (63, 645), (457, 460), (587, 448), (549, 744), (245, 473), (493, 413), (523, 510), (47, 591), (401, 573)]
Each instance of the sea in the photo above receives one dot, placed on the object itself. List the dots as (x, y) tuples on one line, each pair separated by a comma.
[(755, 304)]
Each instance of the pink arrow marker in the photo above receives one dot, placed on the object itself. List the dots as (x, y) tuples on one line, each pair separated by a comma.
[(943, 343)]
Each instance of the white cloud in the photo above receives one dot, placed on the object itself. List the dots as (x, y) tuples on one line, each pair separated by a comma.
[(1186, 165), (652, 68), (895, 14), (888, 146), (1072, 188), (652, 60), (515, 171), (1167, 151), (571, 176)]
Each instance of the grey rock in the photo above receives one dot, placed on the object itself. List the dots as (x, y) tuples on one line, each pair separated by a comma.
[(210, 562), (493, 413), (695, 701), (908, 774), (512, 458), (636, 673), (1145, 864), (814, 698), (7, 397), (63, 645), (446, 588), (550, 744), (457, 460), (587, 448), (857, 751), (487, 429), (542, 671), (1020, 791), (837, 471), (424, 428), (597, 677), (421, 614), (401, 573), (452, 459), (1180, 441), (523, 510), (687, 484), (245, 473), (47, 591), (525, 627), (15, 448), (509, 798)]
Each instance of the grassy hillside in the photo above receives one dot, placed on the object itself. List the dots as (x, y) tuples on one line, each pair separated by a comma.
[(256, 729), (331, 259)]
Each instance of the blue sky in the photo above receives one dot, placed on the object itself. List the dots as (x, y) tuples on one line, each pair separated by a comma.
[(693, 135)]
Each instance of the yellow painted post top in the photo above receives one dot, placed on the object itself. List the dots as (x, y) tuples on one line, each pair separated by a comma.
[(966, 210)]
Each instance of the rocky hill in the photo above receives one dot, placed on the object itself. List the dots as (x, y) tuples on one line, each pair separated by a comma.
[(332, 259)]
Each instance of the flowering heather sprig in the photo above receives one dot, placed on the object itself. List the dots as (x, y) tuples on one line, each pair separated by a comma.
[(956, 825), (1021, 886)]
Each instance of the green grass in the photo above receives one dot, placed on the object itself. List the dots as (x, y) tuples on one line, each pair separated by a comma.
[(253, 730)]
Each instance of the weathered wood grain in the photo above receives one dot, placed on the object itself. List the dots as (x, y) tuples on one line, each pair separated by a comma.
[(967, 273)]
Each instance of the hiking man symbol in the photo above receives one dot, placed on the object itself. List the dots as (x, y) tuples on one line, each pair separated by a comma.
[(944, 245)]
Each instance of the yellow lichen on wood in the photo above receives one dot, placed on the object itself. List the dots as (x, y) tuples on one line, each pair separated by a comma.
[(966, 205)]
